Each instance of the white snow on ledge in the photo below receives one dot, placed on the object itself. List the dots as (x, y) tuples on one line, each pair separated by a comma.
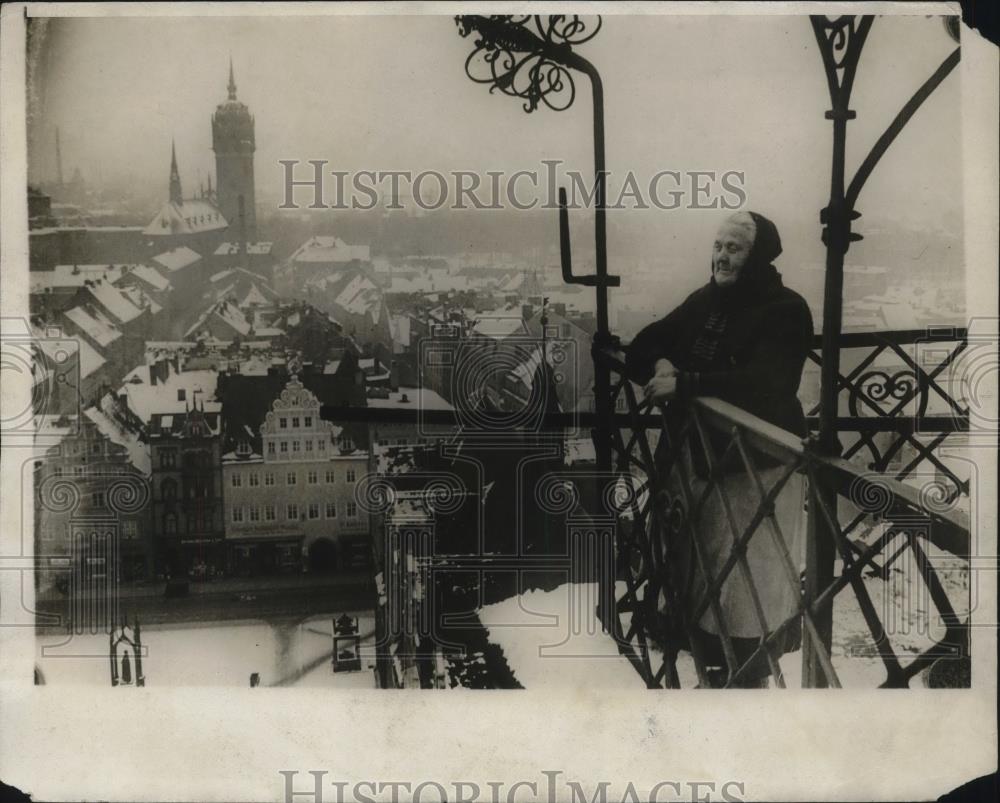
[(553, 639)]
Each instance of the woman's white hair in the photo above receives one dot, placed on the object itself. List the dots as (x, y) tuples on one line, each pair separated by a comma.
[(744, 222)]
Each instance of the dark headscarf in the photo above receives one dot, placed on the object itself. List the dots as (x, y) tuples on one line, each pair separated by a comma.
[(757, 278), (758, 274)]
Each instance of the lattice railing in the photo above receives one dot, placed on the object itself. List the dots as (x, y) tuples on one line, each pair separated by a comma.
[(712, 482), (903, 401)]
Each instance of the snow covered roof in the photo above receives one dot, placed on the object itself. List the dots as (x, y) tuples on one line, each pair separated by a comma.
[(360, 295), (141, 299), (192, 216), (73, 276), (114, 301), (330, 249), (499, 326), (227, 249), (417, 398), (90, 360), (177, 258), (146, 398), (151, 276), (116, 432), (95, 324), (255, 296), (228, 312)]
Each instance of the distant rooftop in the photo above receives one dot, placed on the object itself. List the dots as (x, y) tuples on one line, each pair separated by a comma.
[(417, 398), (94, 324), (177, 258), (499, 326), (330, 249), (73, 276), (228, 249), (151, 276)]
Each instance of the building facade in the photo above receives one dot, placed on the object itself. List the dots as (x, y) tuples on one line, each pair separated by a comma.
[(292, 507), (92, 517), (187, 493)]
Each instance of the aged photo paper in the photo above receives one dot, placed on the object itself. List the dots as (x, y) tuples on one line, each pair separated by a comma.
[(461, 402)]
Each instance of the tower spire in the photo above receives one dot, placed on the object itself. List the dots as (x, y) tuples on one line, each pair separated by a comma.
[(175, 177), (232, 81)]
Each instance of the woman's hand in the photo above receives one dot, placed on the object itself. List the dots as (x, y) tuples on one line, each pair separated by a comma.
[(661, 388), (664, 367)]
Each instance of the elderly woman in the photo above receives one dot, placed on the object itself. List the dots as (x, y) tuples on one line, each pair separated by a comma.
[(743, 338)]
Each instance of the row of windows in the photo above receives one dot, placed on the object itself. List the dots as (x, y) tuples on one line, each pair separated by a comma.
[(294, 446), (291, 478), (195, 490), (99, 471), (196, 524), (256, 513), (168, 459), (404, 442), (307, 422), (129, 531), (82, 448)]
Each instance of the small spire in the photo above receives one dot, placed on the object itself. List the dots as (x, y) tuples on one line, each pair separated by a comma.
[(176, 196), (232, 81)]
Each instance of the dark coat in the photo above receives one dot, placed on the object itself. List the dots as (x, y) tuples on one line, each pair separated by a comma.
[(757, 361)]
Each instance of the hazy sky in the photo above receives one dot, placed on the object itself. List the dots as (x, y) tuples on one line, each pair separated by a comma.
[(391, 93)]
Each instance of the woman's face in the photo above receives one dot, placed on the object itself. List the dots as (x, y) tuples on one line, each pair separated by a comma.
[(729, 254)]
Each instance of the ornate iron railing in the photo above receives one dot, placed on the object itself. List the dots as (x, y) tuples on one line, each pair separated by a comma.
[(712, 455), (902, 402)]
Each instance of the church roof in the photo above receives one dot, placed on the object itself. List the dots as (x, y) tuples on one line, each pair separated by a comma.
[(191, 216)]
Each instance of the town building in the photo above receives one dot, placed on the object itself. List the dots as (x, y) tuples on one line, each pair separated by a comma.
[(91, 526), (187, 491), (290, 491)]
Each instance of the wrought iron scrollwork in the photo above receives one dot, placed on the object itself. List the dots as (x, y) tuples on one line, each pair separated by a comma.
[(527, 56), (896, 389)]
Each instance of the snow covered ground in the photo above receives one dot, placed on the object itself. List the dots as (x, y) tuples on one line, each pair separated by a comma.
[(227, 654)]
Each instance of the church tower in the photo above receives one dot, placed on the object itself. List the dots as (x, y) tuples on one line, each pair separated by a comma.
[(233, 143), (176, 196)]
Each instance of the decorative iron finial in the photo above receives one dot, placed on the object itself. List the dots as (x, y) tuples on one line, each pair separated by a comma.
[(232, 81), (528, 56)]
